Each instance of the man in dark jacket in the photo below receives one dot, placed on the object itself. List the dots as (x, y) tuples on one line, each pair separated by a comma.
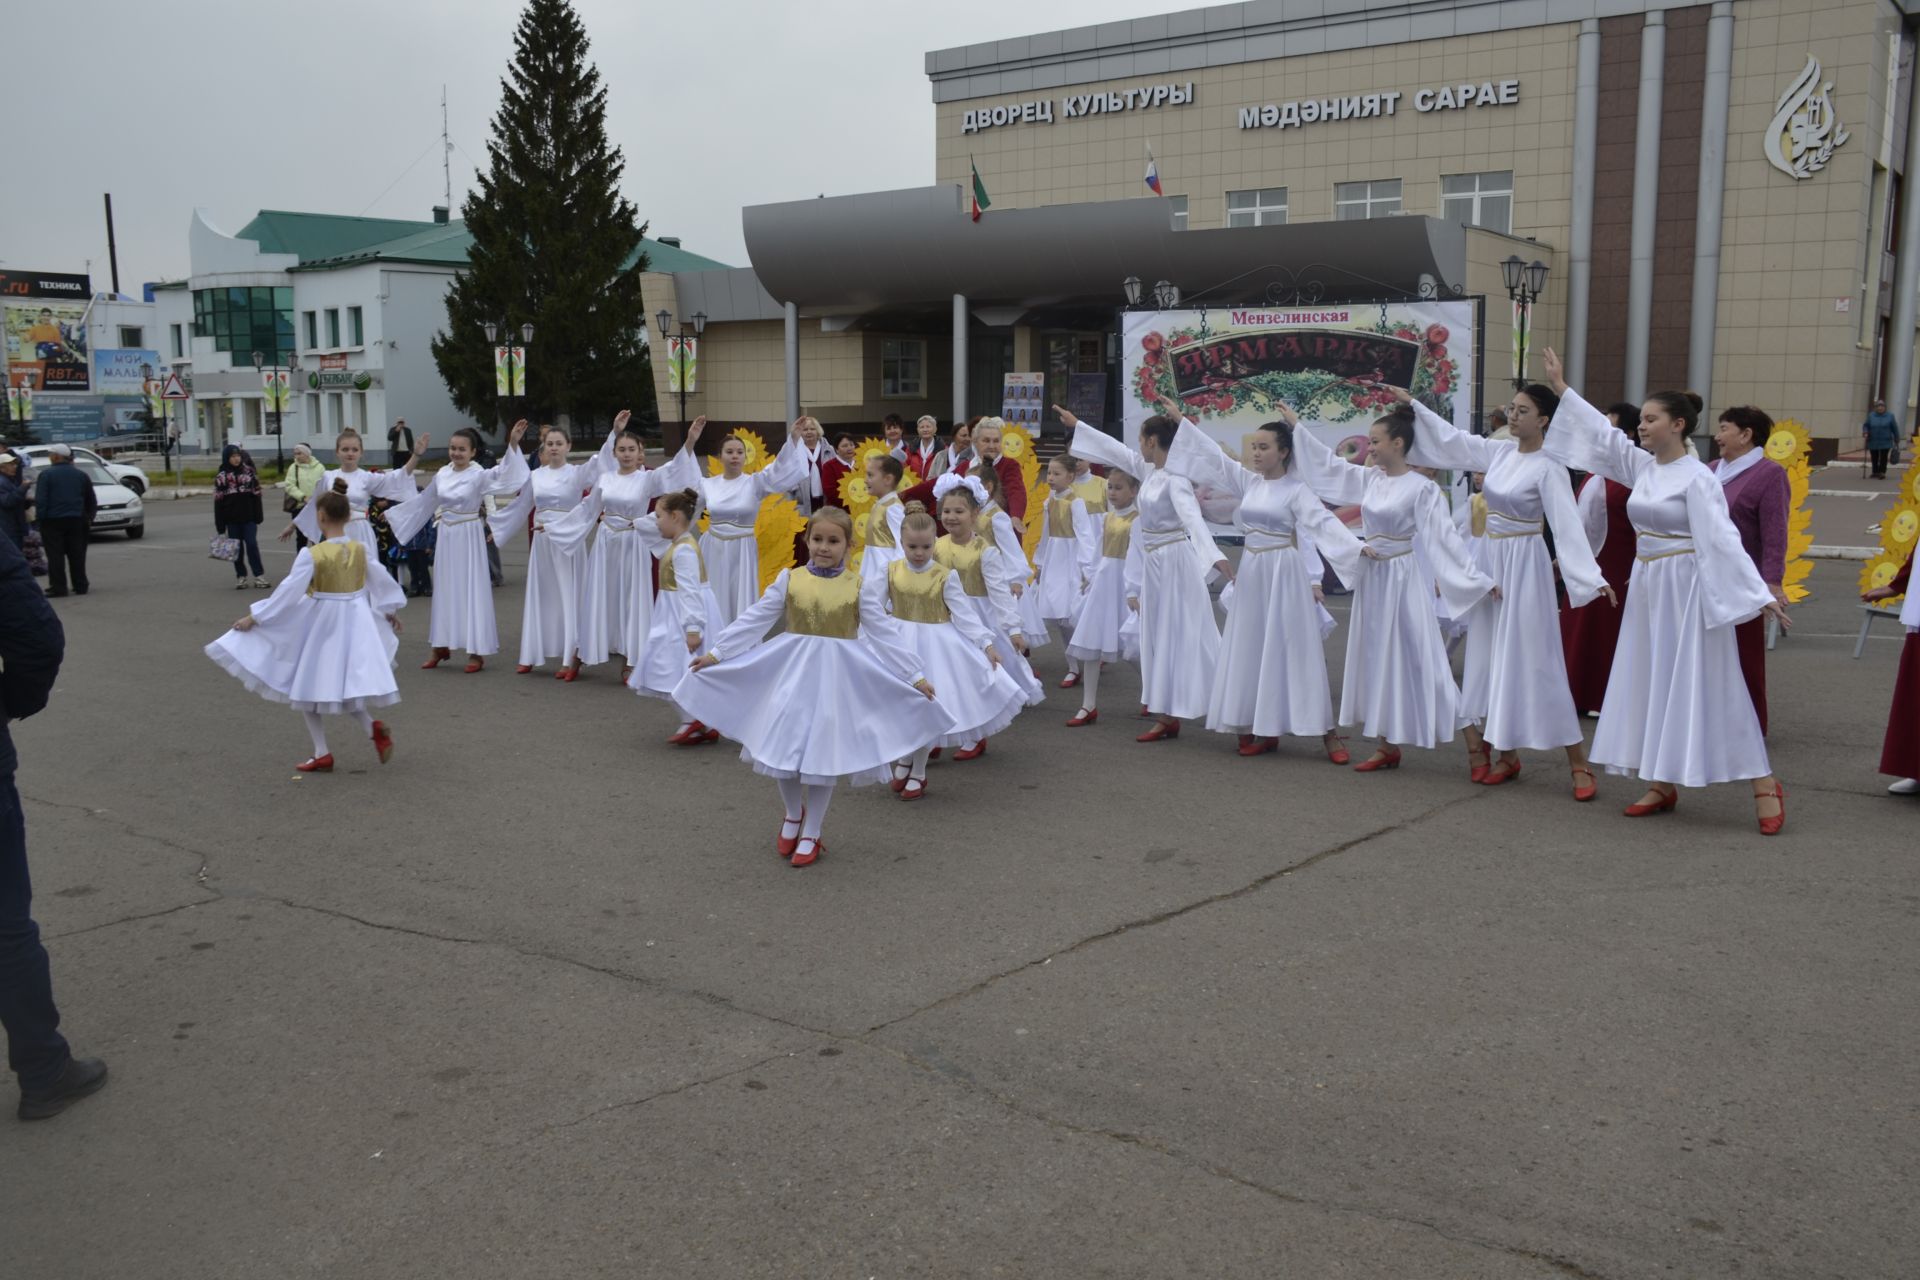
[(66, 502), (31, 645)]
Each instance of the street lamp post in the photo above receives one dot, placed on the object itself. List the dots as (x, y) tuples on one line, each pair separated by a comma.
[(665, 319), (275, 394), (516, 362), (1525, 281)]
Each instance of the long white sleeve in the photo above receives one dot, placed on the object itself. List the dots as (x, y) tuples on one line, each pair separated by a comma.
[(993, 567), (510, 521), (680, 471), (1332, 477), (1438, 443), (1446, 555), (1319, 533), (602, 463), (693, 598), (1593, 509), (1195, 522), (1086, 532), (1731, 589), (785, 473), (1098, 447), (292, 589), (1199, 458), (1582, 438), (883, 633), (965, 619), (1135, 572), (510, 474), (408, 518), (1572, 551), (751, 627), (383, 593)]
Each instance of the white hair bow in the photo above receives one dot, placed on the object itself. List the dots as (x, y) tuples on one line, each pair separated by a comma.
[(947, 483)]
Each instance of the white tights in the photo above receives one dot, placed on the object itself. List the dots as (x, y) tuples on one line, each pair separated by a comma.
[(317, 728), (810, 799), (1090, 687)]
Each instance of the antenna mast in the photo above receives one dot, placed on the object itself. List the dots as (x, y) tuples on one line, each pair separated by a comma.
[(446, 151)]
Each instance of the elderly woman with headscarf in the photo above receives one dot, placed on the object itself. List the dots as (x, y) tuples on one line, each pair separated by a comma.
[(237, 514)]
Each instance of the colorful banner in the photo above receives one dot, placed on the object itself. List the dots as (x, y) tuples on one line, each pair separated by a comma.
[(46, 345), (20, 402), (116, 370), (275, 389), (683, 365), (1022, 399), (509, 371)]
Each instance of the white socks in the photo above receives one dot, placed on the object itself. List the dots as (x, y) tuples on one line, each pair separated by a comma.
[(317, 729), (1090, 687)]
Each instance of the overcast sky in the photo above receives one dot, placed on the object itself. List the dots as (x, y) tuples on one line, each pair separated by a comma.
[(335, 108)]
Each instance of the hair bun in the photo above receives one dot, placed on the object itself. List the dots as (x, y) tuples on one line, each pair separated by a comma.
[(339, 485), (691, 495), (1696, 400), (915, 508)]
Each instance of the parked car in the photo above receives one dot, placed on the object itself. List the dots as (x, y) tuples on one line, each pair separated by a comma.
[(130, 476), (120, 507)]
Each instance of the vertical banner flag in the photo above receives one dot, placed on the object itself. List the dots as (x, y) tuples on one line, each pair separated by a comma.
[(510, 371), (518, 365), (980, 200), (274, 383), (683, 365), (1153, 175), (20, 402)]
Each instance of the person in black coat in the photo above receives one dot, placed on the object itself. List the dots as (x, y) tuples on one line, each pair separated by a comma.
[(64, 498), (237, 512), (31, 646)]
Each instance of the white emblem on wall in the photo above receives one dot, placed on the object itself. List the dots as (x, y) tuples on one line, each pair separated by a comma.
[(1805, 129)]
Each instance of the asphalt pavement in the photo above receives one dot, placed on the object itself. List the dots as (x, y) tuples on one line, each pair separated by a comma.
[(538, 999)]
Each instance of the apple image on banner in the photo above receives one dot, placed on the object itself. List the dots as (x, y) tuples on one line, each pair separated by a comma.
[(1353, 449)]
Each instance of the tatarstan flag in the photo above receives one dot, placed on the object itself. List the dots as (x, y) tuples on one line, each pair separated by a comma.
[(980, 200)]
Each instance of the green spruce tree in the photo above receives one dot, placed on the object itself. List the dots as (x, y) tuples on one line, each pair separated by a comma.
[(554, 243)]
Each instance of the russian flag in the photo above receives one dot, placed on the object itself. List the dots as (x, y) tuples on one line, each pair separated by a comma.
[(1153, 175)]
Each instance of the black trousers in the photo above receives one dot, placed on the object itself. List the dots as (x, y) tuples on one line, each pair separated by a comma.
[(35, 1049), (66, 543), (1879, 457)]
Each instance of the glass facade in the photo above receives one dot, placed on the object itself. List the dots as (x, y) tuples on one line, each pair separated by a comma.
[(243, 320)]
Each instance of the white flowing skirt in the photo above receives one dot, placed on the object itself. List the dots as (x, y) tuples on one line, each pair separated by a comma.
[(550, 624), (327, 654), (1059, 586), (1033, 627), (1018, 669), (1179, 639), (1677, 708), (462, 591), (982, 699), (814, 708), (1272, 674), (1102, 634), (733, 573), (663, 661), (1514, 684), (1398, 684), (616, 606)]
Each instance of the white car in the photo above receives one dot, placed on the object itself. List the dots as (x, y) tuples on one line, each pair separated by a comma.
[(120, 508), (130, 476)]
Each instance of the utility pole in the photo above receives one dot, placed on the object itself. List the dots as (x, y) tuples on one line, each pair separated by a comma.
[(113, 252), (446, 152)]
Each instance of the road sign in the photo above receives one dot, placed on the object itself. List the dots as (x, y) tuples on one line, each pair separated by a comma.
[(173, 390)]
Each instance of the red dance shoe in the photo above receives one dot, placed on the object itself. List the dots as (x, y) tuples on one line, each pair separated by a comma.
[(785, 845), (1771, 826), (317, 764), (899, 779), (438, 656), (809, 853), (521, 668), (475, 663), (1082, 718), (1259, 746), (1502, 772), (1664, 805), (1590, 790), (382, 741), (1071, 680), (934, 754), (973, 752), (686, 733), (1336, 749), (1160, 733), (569, 675), (705, 738), (1477, 771), (914, 789), (1385, 759)]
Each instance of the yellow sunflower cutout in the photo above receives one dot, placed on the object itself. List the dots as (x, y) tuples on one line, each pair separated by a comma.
[(757, 455), (774, 530), (1790, 445), (1788, 442), (1878, 572), (1017, 443), (1910, 483), (1900, 529)]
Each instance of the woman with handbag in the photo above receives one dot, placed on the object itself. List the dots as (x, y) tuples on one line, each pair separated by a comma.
[(237, 513)]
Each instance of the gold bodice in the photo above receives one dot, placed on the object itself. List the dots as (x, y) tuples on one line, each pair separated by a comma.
[(818, 606), (879, 532), (1116, 534), (669, 576), (919, 596), (339, 568), (1060, 515), (983, 525), (1093, 492), (964, 561)]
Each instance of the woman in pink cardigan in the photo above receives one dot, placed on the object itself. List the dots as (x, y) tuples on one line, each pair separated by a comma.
[(1759, 498)]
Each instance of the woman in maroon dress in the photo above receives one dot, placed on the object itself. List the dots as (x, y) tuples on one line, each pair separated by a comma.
[(1900, 754), (1759, 498), (1588, 634)]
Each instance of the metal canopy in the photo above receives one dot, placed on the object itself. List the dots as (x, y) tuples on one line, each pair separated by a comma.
[(912, 249)]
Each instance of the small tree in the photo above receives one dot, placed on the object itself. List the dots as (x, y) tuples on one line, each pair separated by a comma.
[(554, 242)]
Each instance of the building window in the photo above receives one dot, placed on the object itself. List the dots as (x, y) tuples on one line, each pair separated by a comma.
[(359, 415), (356, 332), (903, 368), (313, 328), (1478, 200), (1266, 207), (333, 326), (132, 336), (312, 424), (336, 413), (241, 321), (1353, 201), (1179, 204), (179, 342)]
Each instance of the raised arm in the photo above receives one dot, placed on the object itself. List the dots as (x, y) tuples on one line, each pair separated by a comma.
[(786, 472), (1582, 438), (1438, 443), (1321, 470), (1097, 447), (1198, 457)]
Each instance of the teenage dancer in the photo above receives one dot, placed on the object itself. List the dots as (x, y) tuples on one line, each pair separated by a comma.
[(1108, 631), (1272, 676), (768, 695), (733, 500), (363, 489), (323, 643), (550, 622), (462, 615), (1515, 688), (1589, 634), (1179, 639), (1677, 710)]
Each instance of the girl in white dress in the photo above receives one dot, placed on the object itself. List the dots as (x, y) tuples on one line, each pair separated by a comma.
[(462, 615), (984, 580), (363, 489), (683, 615), (1108, 630), (1677, 710), (1003, 534), (733, 499), (1179, 640), (881, 536), (1272, 675), (1064, 562), (1515, 690), (323, 643), (955, 648), (837, 694), (1398, 686), (550, 622)]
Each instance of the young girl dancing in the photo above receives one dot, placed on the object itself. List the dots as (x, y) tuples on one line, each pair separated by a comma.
[(364, 488), (1108, 631), (682, 616), (983, 579), (1272, 675), (324, 641), (955, 649), (1069, 552), (1398, 686), (550, 622), (1002, 535), (462, 615), (884, 517), (838, 694), (733, 500)]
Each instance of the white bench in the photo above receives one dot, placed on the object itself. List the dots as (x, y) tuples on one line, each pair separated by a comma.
[(1868, 612)]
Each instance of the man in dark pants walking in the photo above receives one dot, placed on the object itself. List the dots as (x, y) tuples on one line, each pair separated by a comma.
[(65, 499), (31, 645)]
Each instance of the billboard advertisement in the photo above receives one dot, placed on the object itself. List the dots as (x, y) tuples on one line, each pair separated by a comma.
[(116, 370), (46, 344)]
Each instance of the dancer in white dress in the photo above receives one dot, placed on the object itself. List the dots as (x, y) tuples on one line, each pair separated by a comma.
[(462, 615), (733, 500), (1004, 535), (683, 615), (363, 489), (955, 648), (984, 580), (1514, 690), (1179, 639), (1398, 685), (550, 622), (323, 643), (617, 608), (1064, 562), (1108, 630), (1272, 676), (838, 694), (881, 535), (1677, 711)]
